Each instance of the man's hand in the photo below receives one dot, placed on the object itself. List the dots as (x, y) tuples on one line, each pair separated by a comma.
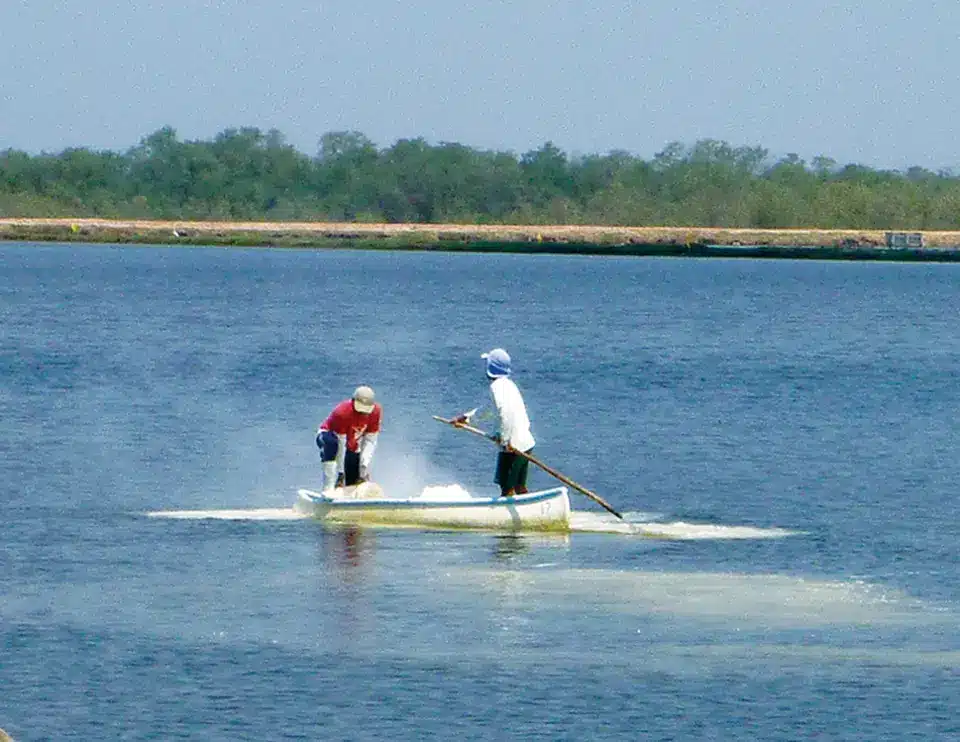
[(495, 437), (464, 418)]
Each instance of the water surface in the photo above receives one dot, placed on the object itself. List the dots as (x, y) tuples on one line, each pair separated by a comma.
[(784, 433)]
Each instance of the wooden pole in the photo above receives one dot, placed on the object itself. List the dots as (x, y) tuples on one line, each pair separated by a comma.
[(534, 460)]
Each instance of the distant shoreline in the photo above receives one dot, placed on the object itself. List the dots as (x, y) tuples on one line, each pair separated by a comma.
[(571, 239)]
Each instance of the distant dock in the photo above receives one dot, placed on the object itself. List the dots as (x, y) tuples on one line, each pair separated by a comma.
[(836, 244)]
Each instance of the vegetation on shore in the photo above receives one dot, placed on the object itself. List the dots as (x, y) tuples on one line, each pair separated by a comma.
[(246, 174)]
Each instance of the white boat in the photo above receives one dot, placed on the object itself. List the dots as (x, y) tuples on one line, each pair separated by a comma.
[(546, 510)]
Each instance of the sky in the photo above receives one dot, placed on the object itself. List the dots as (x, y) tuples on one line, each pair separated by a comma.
[(872, 82)]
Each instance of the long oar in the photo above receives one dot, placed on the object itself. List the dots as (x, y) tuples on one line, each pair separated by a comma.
[(534, 460)]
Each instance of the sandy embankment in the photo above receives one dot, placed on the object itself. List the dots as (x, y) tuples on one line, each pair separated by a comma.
[(595, 239)]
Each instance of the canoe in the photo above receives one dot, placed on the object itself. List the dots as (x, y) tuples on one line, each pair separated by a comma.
[(546, 510)]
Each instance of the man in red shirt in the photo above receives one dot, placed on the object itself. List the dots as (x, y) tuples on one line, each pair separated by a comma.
[(347, 440)]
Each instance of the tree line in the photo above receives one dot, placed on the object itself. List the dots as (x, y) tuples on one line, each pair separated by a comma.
[(248, 174)]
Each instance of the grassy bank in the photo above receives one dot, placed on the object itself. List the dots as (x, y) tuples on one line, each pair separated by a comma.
[(839, 244)]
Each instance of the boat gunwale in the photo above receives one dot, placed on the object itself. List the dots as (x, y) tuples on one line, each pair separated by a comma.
[(531, 498)]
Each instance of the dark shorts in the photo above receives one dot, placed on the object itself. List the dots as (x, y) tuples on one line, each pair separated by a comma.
[(511, 472), (328, 444)]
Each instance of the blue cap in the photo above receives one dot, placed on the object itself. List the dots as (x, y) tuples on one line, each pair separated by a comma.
[(498, 363)]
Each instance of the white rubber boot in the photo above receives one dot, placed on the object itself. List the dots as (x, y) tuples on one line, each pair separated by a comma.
[(329, 476)]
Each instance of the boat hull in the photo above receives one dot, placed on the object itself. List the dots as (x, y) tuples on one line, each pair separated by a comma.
[(546, 510)]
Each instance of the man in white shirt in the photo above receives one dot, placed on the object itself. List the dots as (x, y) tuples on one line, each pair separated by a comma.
[(514, 434)]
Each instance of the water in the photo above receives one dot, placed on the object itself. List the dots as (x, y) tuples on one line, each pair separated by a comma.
[(781, 436)]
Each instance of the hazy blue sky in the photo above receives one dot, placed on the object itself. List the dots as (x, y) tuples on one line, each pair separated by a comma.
[(869, 81)]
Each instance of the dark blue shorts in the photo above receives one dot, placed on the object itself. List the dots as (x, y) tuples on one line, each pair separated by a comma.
[(328, 443)]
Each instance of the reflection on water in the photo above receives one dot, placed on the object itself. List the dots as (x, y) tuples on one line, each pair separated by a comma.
[(348, 546), (508, 546), (346, 552), (345, 584)]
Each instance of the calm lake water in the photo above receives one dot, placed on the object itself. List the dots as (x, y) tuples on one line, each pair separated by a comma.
[(782, 437)]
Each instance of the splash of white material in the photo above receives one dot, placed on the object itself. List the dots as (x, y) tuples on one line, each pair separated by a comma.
[(445, 493)]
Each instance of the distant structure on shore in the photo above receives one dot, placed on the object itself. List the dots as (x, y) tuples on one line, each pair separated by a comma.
[(905, 240)]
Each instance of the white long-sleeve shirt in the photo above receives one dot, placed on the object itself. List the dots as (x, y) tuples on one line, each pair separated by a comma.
[(514, 422)]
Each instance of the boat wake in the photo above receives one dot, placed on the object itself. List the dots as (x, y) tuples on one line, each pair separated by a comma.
[(641, 524), (255, 514), (635, 524)]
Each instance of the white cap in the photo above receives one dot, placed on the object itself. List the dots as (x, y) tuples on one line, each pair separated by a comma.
[(498, 363), (363, 399)]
